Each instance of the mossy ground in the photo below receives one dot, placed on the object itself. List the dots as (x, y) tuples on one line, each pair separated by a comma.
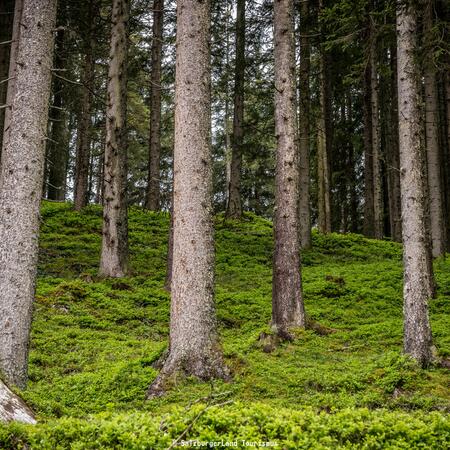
[(94, 340)]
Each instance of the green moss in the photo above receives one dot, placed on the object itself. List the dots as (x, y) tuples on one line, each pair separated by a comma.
[(94, 342)]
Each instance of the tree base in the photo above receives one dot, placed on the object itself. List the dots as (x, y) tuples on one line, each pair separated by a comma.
[(175, 369), (13, 408)]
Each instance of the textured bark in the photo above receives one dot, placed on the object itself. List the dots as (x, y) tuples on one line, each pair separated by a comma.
[(417, 271), (446, 89), (287, 302), (58, 145), (392, 155), (437, 225), (13, 408), (234, 204), (323, 146), (304, 125), (369, 218), (376, 142), (6, 23), (18, 7), (114, 255), (194, 345), (21, 185), (85, 123), (153, 191)]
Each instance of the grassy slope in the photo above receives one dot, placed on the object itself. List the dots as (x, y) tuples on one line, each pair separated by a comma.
[(94, 341)]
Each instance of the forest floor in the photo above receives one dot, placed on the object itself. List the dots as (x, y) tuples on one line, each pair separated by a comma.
[(343, 384)]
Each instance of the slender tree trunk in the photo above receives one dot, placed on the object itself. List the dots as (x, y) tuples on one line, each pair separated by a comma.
[(13, 408), (194, 344), (369, 218), (21, 186), (437, 226), (287, 302), (114, 256), (392, 154), (416, 290), (447, 158), (234, 204), (6, 23), (18, 7), (323, 133), (304, 125), (58, 145), (85, 122), (153, 191), (376, 141)]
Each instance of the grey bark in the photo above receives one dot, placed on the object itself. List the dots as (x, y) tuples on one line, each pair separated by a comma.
[(287, 302), (153, 189), (376, 140), (58, 144), (417, 271), (18, 7), (234, 203), (304, 125), (323, 147), (369, 218), (194, 344), (21, 185), (437, 225), (13, 408), (392, 155), (6, 23), (114, 254), (85, 122)]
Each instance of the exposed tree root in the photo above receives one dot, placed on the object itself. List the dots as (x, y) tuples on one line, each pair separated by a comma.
[(13, 408)]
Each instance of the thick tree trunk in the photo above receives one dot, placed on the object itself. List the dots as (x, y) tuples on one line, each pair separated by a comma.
[(417, 271), (234, 204), (153, 191), (85, 122), (114, 256), (437, 225), (194, 345), (12, 73), (376, 142), (287, 302), (304, 125), (13, 408), (392, 154), (21, 186), (6, 23), (58, 145)]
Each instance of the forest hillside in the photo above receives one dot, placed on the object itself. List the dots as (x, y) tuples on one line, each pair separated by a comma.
[(341, 383)]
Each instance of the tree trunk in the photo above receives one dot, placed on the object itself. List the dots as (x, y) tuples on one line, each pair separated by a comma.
[(114, 256), (21, 186), (153, 193), (58, 144), (323, 133), (376, 141), (85, 123), (392, 154), (416, 287), (234, 204), (13, 408), (437, 225), (194, 345), (12, 73), (287, 302), (447, 147), (304, 112), (6, 22)]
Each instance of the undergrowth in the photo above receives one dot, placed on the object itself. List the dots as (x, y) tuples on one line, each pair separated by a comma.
[(94, 342)]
